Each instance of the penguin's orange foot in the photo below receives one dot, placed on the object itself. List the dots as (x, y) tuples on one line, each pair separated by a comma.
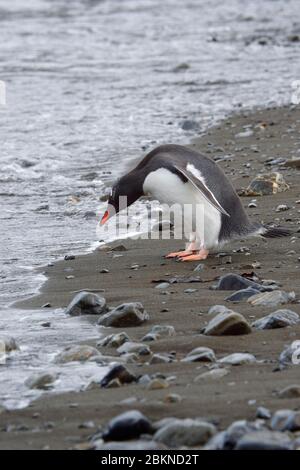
[(179, 254), (202, 254)]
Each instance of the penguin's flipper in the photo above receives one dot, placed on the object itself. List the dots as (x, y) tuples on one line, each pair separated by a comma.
[(203, 189)]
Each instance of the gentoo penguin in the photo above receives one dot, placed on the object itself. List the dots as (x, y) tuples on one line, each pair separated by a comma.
[(176, 174)]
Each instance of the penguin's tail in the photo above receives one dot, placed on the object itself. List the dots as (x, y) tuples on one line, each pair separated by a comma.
[(268, 231)]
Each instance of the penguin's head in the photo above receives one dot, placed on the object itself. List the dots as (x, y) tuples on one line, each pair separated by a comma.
[(123, 193)]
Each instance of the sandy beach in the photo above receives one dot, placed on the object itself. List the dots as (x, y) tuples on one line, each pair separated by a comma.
[(245, 144)]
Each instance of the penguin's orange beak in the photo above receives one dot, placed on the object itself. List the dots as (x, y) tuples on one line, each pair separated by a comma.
[(104, 218)]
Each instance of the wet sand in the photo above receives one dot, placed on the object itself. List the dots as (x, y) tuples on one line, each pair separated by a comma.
[(274, 133)]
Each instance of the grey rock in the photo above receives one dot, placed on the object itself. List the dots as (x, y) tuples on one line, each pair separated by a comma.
[(160, 359), (212, 375), (215, 309), (264, 440), (216, 442), (292, 391), (150, 337), (128, 425), (162, 331), (162, 285), (278, 319), (119, 248), (291, 354), (86, 303), (189, 125), (41, 381), (125, 315), (280, 420), (118, 371), (272, 299), (282, 208), (236, 282), (114, 341), (185, 432), (237, 430), (266, 184), (76, 353), (242, 294), (200, 354), (157, 383), (138, 348), (227, 323), (237, 359), (263, 413)]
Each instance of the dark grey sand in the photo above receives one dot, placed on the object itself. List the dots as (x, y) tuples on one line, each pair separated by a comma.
[(230, 397)]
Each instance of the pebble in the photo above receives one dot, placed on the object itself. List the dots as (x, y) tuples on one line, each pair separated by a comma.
[(264, 440), (227, 323), (150, 337), (263, 413), (278, 319), (237, 430), (173, 398), (243, 134), (69, 257), (138, 348), (114, 341), (41, 381), (125, 315), (160, 359), (185, 432), (266, 184), (200, 354), (212, 375), (282, 208), (162, 285), (158, 331), (190, 291), (236, 282), (286, 420), (104, 271), (242, 294), (291, 354), (87, 425), (216, 309), (292, 391), (76, 353), (272, 299), (118, 371), (157, 384), (237, 359), (189, 125), (118, 248), (86, 303), (128, 425)]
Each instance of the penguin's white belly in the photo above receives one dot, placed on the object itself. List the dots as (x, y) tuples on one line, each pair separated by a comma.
[(168, 188)]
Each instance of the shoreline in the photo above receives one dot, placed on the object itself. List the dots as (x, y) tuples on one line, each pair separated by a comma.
[(267, 133)]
